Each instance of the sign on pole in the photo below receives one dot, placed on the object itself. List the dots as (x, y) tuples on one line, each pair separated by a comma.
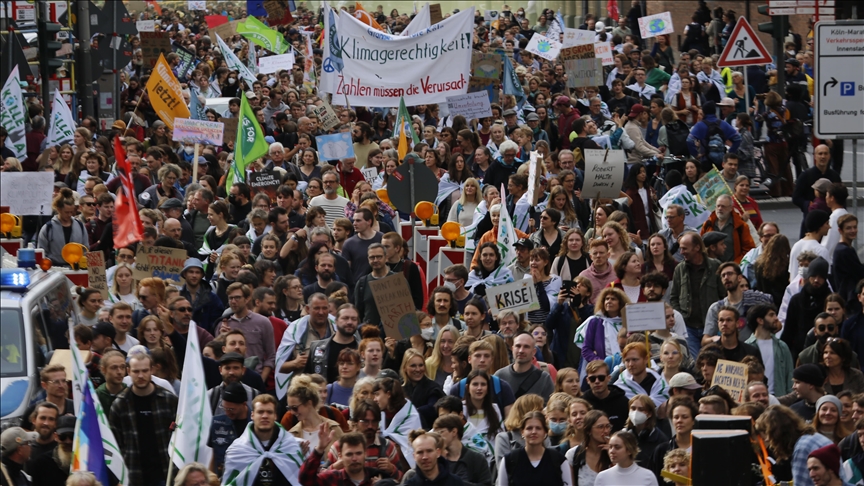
[(647, 316), (395, 306), (336, 146), (205, 132), (519, 296), (544, 47), (654, 25), (96, 272), (160, 261), (839, 85), (604, 173), (581, 65), (744, 47)]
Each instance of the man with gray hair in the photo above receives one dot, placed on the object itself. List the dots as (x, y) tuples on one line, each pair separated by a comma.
[(503, 167), (167, 175), (725, 220), (675, 215), (278, 160)]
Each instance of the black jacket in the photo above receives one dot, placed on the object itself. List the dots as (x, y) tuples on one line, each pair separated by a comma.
[(803, 309), (648, 442), (803, 193), (423, 395), (615, 405), (445, 477)]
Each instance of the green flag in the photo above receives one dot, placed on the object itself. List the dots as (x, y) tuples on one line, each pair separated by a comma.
[(250, 144), (403, 122), (264, 36)]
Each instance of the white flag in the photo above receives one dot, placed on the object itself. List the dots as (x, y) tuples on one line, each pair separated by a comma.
[(420, 22), (62, 122), (189, 440), (234, 63), (252, 58), (506, 234), (12, 115), (79, 370)]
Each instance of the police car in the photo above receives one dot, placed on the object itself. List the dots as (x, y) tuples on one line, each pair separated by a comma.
[(36, 308)]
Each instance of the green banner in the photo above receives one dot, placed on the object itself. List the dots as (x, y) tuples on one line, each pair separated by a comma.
[(264, 36), (249, 146)]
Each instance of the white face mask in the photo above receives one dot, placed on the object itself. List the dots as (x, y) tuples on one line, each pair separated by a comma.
[(231, 80), (428, 334), (189, 150), (637, 418), (451, 286)]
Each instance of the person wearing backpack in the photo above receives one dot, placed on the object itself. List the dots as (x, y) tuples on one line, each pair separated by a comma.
[(711, 137), (673, 134), (776, 151)]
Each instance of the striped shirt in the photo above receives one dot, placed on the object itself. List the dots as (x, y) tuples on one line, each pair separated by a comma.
[(334, 208)]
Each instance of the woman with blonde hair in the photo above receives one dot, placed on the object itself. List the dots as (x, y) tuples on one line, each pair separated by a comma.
[(82, 140), (512, 438), (123, 287), (152, 333), (567, 382), (500, 358), (303, 398), (463, 211), (63, 165), (617, 239), (557, 412), (439, 365), (575, 433), (559, 199), (418, 388)]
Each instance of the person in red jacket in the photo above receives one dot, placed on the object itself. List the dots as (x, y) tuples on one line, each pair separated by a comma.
[(738, 239)]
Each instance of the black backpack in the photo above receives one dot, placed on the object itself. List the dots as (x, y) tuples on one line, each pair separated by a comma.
[(676, 135)]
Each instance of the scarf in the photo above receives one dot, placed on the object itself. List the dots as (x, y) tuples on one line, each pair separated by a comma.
[(644, 92), (292, 336), (475, 441), (405, 420), (205, 250), (714, 78), (246, 454), (611, 326), (500, 276), (252, 236), (673, 88), (469, 232), (659, 391)]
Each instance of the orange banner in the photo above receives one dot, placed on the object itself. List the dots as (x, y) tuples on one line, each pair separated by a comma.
[(363, 16), (165, 93)]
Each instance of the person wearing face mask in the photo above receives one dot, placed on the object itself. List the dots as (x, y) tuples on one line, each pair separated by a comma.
[(642, 422)]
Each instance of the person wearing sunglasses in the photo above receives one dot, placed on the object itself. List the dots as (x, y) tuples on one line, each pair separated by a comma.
[(52, 468), (825, 327), (601, 396)]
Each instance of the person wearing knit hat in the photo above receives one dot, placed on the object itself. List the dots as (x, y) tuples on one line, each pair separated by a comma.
[(823, 465), (806, 307), (229, 424), (807, 381), (815, 227)]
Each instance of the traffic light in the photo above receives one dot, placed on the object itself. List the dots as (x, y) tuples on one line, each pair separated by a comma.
[(48, 45), (778, 28)]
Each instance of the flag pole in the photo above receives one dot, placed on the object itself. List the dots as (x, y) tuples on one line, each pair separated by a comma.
[(195, 163), (173, 451)]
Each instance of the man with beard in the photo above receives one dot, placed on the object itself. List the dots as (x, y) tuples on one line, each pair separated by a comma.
[(331, 202), (114, 370), (737, 235), (393, 245), (44, 419), (367, 308), (806, 305), (362, 133), (52, 469), (763, 323), (232, 369), (324, 353), (381, 454), (731, 276), (316, 326), (228, 425), (325, 266), (354, 468), (824, 328)]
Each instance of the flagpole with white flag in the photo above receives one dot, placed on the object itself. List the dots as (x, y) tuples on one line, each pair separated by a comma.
[(79, 371), (506, 234), (189, 440), (62, 128)]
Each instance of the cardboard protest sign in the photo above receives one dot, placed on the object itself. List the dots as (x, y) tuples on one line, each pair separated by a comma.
[(489, 85), (64, 357), (710, 187), (470, 105), (654, 25), (649, 316), (487, 65), (370, 174), (265, 181), (732, 377), (582, 67), (159, 261), (395, 306), (154, 44), (544, 47), (519, 296), (187, 130), (96, 272), (604, 172), (435, 13), (603, 52), (226, 30), (576, 37), (272, 64), (335, 147), (327, 117), (229, 133), (27, 193)]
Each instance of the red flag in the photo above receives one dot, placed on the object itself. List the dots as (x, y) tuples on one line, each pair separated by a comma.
[(156, 6), (127, 223), (612, 9)]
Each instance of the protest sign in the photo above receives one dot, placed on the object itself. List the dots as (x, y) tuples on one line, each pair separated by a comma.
[(603, 52), (730, 376), (654, 25), (435, 13), (694, 212), (197, 5), (96, 272), (470, 105), (489, 85), (395, 306), (370, 174), (229, 134), (582, 67), (165, 94), (159, 261), (272, 64), (576, 37), (226, 30), (154, 44), (373, 68), (327, 117), (487, 65), (187, 130), (187, 60), (519, 296), (710, 187), (336, 146), (64, 357), (146, 25), (649, 316), (27, 193), (275, 10), (604, 172), (544, 47), (490, 15), (265, 181)]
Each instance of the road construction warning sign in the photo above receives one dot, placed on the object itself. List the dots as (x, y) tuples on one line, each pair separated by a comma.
[(744, 47)]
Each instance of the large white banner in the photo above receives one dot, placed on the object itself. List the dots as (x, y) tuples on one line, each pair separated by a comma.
[(378, 68), (62, 124), (420, 22), (12, 113)]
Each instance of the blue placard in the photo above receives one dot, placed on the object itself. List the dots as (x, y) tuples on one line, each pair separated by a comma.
[(336, 146)]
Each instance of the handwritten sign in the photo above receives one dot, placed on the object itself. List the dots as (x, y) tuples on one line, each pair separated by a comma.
[(650, 316), (146, 25), (265, 181), (226, 30), (487, 65), (229, 134), (518, 296), (470, 105), (159, 261), (153, 44), (731, 376), (604, 174), (576, 37), (205, 132), (654, 25), (96, 272), (603, 52), (327, 117), (544, 47), (582, 67), (27, 193), (395, 306), (489, 85), (370, 173), (336, 146), (273, 64)]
